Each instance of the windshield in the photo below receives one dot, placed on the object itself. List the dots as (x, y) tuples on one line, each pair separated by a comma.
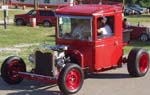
[(75, 28), (32, 12)]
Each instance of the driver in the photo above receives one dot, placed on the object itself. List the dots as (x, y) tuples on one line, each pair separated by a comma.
[(104, 29), (82, 30)]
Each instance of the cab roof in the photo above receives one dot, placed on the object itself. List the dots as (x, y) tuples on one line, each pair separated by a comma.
[(88, 9)]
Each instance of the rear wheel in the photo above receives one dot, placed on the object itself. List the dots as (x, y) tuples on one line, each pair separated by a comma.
[(10, 68), (70, 79), (20, 22), (138, 62), (144, 37), (47, 24)]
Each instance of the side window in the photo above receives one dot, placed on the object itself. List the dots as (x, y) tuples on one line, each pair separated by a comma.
[(65, 0), (46, 1), (41, 13), (46, 13), (50, 13), (34, 13), (105, 26)]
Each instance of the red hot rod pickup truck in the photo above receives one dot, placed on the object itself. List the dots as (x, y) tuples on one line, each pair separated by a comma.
[(79, 50)]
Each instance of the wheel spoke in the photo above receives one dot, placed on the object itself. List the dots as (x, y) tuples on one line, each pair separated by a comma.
[(13, 70), (70, 79), (73, 79), (10, 68)]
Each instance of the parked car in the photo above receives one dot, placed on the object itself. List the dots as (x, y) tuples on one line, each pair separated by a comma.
[(129, 11), (45, 17), (139, 7)]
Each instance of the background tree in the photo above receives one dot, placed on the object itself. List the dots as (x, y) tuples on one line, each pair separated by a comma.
[(143, 3)]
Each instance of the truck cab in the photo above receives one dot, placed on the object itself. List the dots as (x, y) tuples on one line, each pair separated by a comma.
[(95, 51)]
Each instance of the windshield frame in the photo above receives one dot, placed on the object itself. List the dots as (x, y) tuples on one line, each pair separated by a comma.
[(75, 17)]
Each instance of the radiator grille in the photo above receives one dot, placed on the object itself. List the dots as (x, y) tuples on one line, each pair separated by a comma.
[(44, 63)]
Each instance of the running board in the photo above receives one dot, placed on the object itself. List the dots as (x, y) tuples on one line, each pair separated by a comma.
[(42, 78)]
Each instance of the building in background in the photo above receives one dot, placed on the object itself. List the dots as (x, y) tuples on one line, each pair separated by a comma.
[(40, 3), (53, 3)]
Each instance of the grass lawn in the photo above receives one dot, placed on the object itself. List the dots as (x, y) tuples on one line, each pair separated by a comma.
[(134, 19), (21, 41), (24, 34), (12, 12), (137, 44)]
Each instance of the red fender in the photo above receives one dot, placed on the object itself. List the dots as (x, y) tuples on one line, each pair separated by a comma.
[(77, 55)]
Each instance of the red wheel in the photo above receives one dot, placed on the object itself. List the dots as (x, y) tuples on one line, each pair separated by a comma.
[(143, 63), (138, 62), (10, 68), (73, 79), (70, 79)]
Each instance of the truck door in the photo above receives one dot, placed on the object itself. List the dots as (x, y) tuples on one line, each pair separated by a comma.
[(35, 14), (108, 50), (41, 16)]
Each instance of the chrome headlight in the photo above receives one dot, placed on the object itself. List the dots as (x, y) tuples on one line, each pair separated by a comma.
[(31, 58), (60, 63)]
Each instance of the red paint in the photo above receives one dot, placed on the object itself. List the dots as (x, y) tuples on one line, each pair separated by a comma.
[(137, 31), (88, 10), (97, 54), (143, 64), (39, 19), (45, 79), (13, 70), (92, 54), (73, 79)]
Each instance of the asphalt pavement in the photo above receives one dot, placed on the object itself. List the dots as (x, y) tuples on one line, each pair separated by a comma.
[(113, 82)]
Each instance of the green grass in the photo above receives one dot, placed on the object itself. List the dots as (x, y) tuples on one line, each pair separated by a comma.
[(12, 12), (20, 35), (137, 44), (15, 35), (24, 34), (134, 19)]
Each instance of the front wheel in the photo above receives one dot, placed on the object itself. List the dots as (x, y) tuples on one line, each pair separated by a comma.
[(138, 62), (71, 79), (47, 24), (20, 22), (10, 68), (144, 37)]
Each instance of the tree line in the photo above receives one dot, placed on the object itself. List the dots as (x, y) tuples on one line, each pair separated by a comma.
[(143, 3)]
